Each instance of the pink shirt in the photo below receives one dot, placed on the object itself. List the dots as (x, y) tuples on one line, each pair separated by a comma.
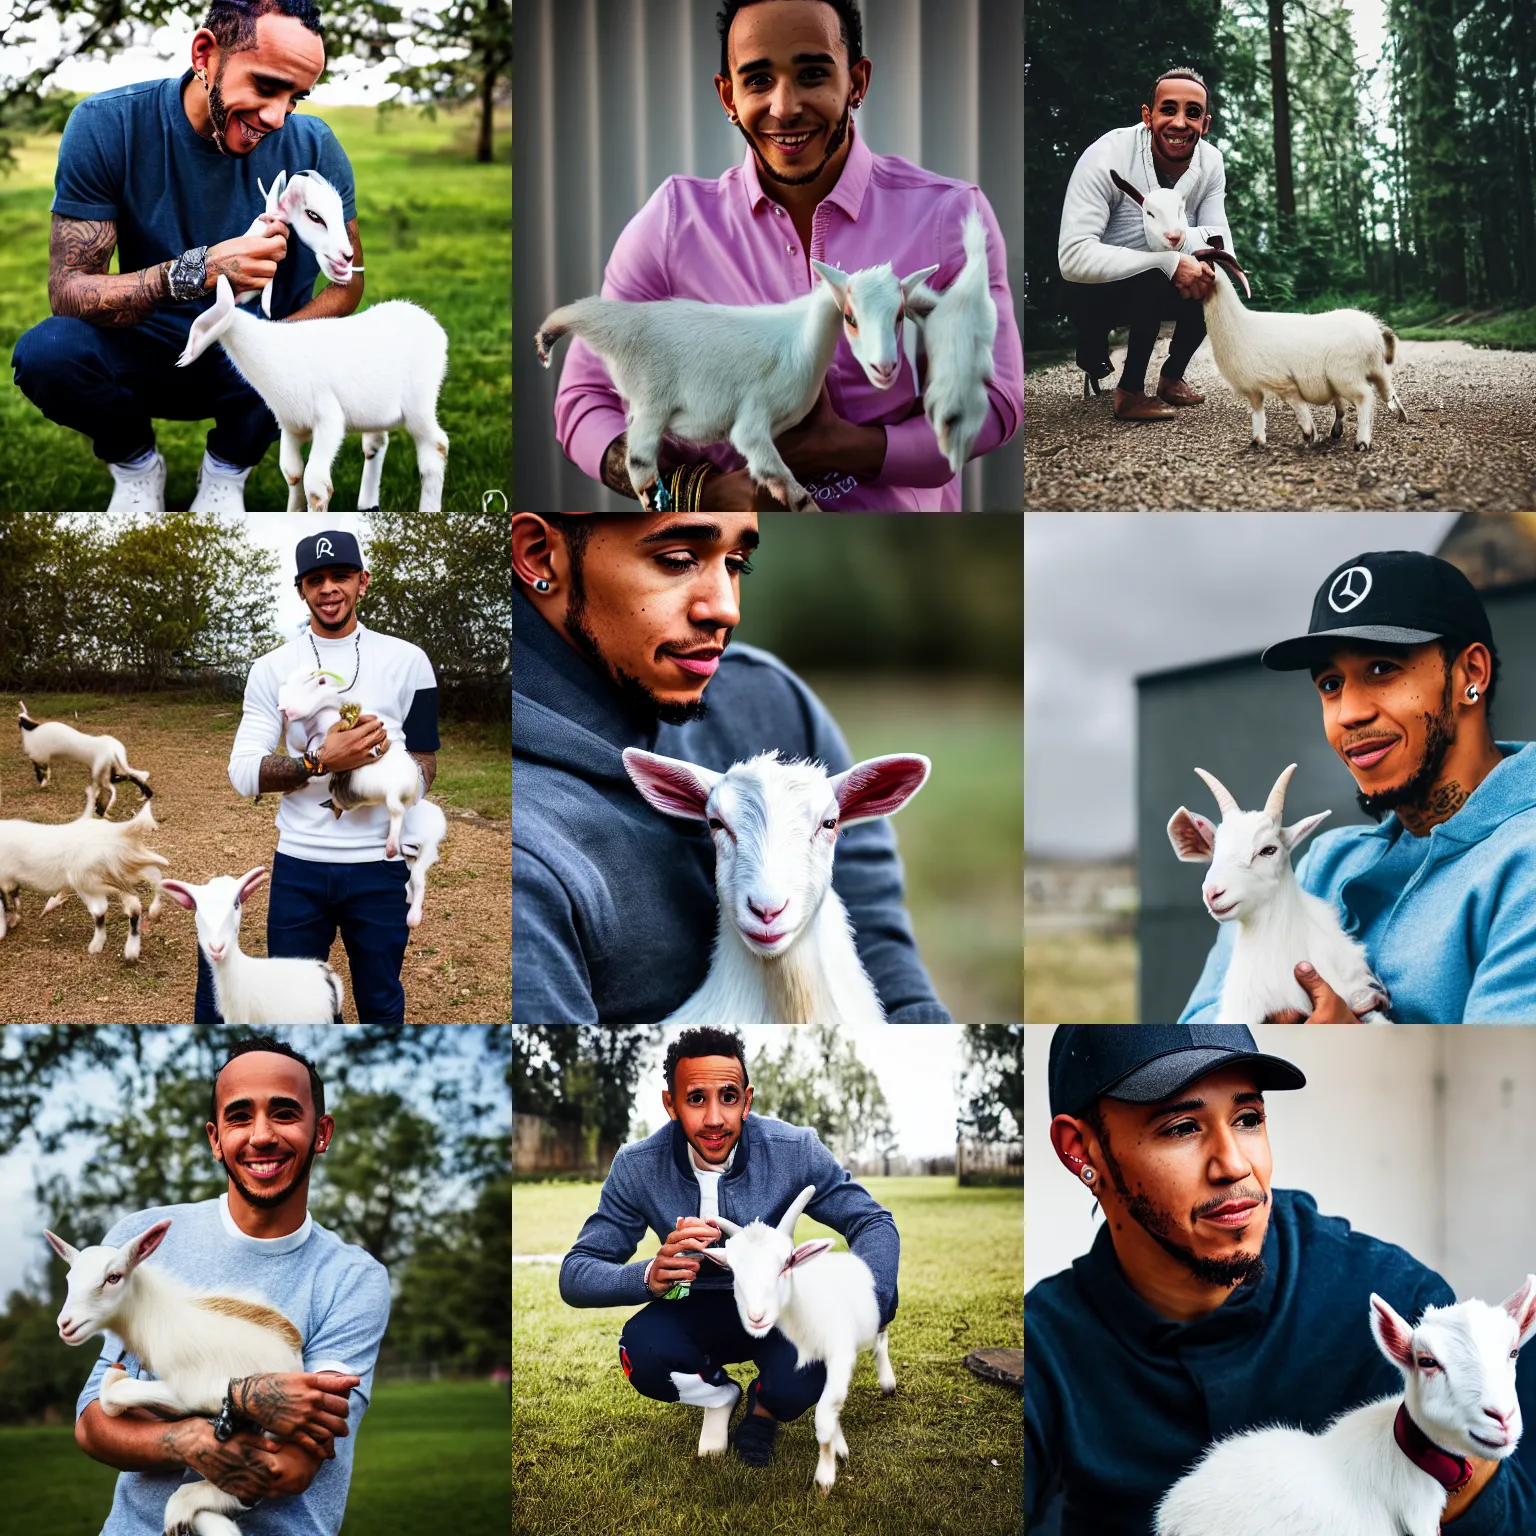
[(729, 242)]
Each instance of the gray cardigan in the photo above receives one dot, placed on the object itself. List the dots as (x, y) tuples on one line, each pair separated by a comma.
[(651, 1184)]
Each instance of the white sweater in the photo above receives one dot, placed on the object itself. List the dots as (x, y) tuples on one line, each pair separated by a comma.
[(1102, 235)]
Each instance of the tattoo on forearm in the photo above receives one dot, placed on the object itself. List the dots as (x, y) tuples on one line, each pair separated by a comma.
[(616, 468), (427, 762), (279, 774), (79, 285), (240, 1465)]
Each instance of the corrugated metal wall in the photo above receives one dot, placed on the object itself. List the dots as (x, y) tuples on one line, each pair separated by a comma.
[(613, 96)]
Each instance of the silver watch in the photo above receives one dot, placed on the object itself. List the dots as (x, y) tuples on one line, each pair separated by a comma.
[(187, 275)]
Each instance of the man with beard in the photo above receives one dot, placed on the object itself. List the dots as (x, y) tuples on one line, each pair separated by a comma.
[(620, 624), (792, 76), (715, 1159), (292, 1441), (331, 872), (169, 173), (1441, 890), (1111, 278), (1210, 1302)]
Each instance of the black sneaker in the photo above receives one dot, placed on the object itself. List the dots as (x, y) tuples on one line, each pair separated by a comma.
[(753, 1437)]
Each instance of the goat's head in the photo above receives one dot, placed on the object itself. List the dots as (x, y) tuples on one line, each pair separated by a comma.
[(775, 826), (307, 691), (1249, 853), (1458, 1369), (98, 1281), (217, 905), (762, 1261), (874, 303), (1164, 218), (311, 206)]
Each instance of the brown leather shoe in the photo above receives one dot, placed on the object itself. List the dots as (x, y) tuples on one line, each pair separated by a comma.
[(1177, 392), (1139, 407)]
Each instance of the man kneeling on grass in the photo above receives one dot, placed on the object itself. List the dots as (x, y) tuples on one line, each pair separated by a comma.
[(715, 1160)]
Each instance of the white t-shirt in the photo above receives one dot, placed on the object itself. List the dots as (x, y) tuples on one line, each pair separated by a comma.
[(709, 1193), (394, 680)]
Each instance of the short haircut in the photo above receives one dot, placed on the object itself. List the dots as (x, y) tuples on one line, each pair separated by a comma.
[(277, 1048), (233, 22), (849, 20), (705, 1041), (1183, 72)]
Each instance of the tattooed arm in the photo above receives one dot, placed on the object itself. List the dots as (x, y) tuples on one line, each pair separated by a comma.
[(427, 762), (337, 298), (309, 1408), (80, 285), (616, 469), (280, 773)]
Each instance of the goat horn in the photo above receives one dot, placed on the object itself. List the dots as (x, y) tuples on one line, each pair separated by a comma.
[(1224, 799), (792, 1215), (1275, 805), (1126, 187), (1214, 254), (728, 1227)]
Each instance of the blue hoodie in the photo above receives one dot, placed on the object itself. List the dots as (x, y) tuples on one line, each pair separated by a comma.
[(1457, 943)]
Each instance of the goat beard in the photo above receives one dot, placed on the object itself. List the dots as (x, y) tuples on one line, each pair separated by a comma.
[(835, 143), (1439, 738)]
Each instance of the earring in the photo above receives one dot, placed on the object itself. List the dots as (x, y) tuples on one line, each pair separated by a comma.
[(1087, 1175), (1472, 694), (541, 585), (733, 117)]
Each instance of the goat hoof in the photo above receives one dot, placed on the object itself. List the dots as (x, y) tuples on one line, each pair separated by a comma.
[(1362, 447)]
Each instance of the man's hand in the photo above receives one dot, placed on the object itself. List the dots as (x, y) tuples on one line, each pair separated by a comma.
[(344, 749), (1194, 279), (1327, 1006), (823, 441), (246, 1465), (309, 1408), (735, 492), (252, 260), (675, 1259)]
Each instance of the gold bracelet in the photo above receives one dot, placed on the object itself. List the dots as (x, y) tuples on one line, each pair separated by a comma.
[(696, 485)]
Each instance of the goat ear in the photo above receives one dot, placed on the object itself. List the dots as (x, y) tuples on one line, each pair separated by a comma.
[(806, 1252), (673, 787), (1393, 1335), (250, 880), (179, 894), (879, 786), (835, 279), (1522, 1307), (63, 1249), (209, 325), (1192, 836), (1126, 187), (140, 1248), (716, 1255), (911, 283), (1298, 832)]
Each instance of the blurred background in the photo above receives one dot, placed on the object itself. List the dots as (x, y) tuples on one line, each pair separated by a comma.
[(1143, 641), (102, 1122), (909, 630), (614, 96)]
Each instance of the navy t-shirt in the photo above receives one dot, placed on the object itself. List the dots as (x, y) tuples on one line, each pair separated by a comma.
[(130, 155)]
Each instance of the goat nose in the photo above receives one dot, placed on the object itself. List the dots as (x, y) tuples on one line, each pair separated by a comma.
[(1215, 894), (1501, 1419), (765, 912), (1175, 236)]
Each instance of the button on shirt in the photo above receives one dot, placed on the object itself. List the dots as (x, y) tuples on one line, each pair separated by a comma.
[(1120, 1401)]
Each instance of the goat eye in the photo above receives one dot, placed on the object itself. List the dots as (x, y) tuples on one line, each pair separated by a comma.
[(315, 216), (1265, 851), (113, 1279), (1428, 1363), (715, 824), (830, 823), (852, 323)]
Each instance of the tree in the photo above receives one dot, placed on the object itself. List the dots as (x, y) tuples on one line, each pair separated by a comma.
[(1280, 92), (992, 1082), (581, 1074), (826, 1087)]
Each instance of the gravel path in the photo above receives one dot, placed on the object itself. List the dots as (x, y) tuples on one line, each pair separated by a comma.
[(1470, 442)]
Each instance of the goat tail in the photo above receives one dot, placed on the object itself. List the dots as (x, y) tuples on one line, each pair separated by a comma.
[(1389, 341), (135, 776), (974, 234), (569, 317)]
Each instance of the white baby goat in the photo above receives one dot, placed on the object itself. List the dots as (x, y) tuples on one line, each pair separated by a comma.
[(1357, 1478), (828, 1312), (706, 373), (311, 207), (784, 951), (105, 756), (194, 1343), (1251, 883), (253, 989), (322, 379)]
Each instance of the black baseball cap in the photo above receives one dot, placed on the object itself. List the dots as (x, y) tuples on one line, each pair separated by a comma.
[(1145, 1063), (1396, 596), (330, 548)]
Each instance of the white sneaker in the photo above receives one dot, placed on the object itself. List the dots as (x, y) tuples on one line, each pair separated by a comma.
[(219, 490), (138, 490)]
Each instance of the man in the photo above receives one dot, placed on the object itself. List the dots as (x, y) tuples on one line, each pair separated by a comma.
[(1442, 889), (621, 625), (1111, 278), (267, 1124), (1210, 1302), (331, 872), (715, 1159), (168, 173), (792, 74)]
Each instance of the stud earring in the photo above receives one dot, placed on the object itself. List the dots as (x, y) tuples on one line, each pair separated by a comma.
[(1472, 694), (541, 585), (1087, 1175)]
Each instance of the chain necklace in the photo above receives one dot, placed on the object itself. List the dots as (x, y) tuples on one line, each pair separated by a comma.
[(357, 654)]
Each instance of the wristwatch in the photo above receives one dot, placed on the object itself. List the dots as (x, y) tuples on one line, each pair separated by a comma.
[(187, 274), (229, 1419), (313, 765)]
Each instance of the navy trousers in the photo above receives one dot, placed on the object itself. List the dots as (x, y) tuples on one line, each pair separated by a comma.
[(111, 383), (308, 903), (699, 1336), (1140, 303)]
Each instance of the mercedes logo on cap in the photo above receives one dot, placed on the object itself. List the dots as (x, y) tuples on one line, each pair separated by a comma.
[(1350, 588)]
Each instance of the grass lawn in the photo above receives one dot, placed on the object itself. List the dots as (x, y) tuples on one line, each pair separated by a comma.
[(431, 1461), (945, 1454), (1079, 977), (435, 227)]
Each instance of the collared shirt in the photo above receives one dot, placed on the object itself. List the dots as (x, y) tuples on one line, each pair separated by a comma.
[(1120, 1401), (730, 242)]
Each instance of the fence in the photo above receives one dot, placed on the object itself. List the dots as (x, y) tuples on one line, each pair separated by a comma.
[(549, 1146), (989, 1162)]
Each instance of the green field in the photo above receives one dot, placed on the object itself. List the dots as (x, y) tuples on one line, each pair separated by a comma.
[(1080, 977), (944, 1454), (431, 1461), (435, 228)]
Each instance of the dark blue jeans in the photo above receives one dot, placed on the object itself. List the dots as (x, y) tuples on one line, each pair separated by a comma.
[(110, 384), (308, 903), (702, 1334)]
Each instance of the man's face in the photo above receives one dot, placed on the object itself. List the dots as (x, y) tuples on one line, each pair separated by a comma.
[(1178, 118), (266, 1134), (791, 86), (1193, 1173), (656, 601), (253, 91), (332, 593), (711, 1101)]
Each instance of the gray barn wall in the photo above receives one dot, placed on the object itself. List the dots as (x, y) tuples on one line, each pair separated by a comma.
[(613, 96), (1244, 724)]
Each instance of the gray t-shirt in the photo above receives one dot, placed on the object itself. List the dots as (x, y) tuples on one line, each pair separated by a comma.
[(334, 1293)]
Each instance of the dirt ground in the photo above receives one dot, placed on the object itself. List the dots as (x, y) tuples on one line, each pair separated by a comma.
[(458, 966), (1470, 442)]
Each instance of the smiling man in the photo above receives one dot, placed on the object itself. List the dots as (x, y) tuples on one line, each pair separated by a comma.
[(1442, 889), (792, 78), (169, 174), (294, 1432), (715, 1159), (1210, 1301), (621, 634), (1111, 278)]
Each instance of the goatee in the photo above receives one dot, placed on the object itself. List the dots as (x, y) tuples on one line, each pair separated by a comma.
[(269, 1199), (1439, 738), (835, 143)]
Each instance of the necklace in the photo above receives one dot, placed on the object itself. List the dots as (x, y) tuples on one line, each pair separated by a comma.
[(357, 654)]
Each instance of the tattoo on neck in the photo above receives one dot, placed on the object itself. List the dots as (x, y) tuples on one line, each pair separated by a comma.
[(1442, 802)]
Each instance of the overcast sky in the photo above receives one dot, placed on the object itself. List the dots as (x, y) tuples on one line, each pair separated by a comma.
[(1110, 595)]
